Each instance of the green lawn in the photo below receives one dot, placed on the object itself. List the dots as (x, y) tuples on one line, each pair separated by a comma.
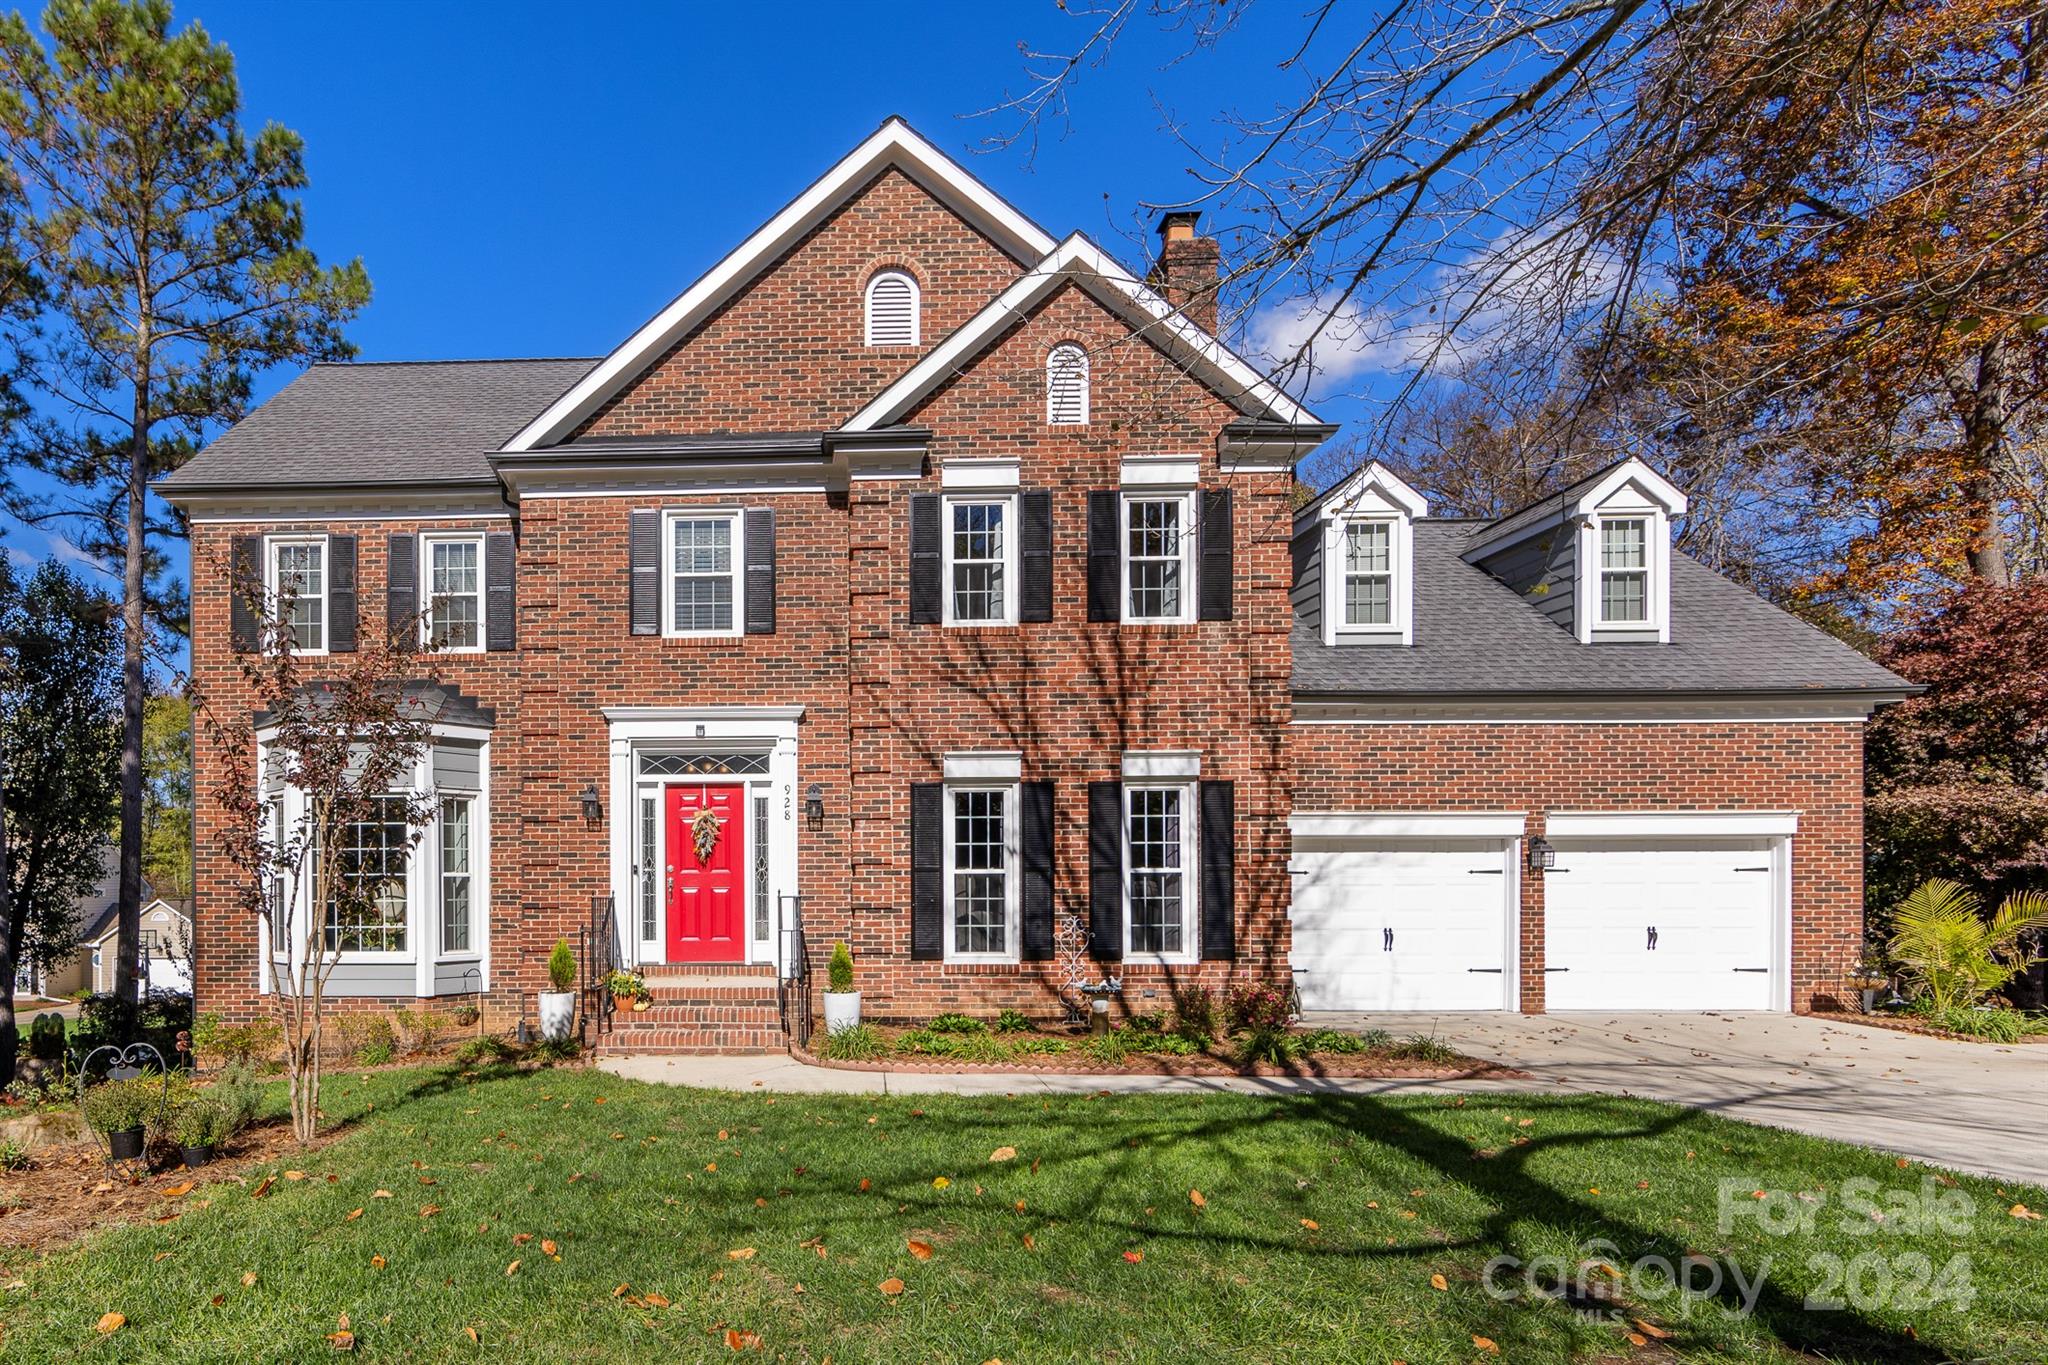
[(1085, 1246)]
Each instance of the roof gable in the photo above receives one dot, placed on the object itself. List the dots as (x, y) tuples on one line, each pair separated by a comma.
[(1580, 499), (895, 145)]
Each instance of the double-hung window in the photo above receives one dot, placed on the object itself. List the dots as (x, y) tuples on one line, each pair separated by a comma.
[(1158, 557), (453, 587), (981, 557), (1369, 573), (1625, 571), (371, 863), (298, 590), (458, 876), (1159, 889), (981, 872), (703, 585)]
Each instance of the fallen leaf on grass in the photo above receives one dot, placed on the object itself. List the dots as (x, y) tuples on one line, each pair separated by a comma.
[(655, 1300), (1003, 1154), (1650, 1329), (1134, 1257), (1439, 1282), (470, 1332), (429, 1210), (865, 1184), (161, 1256), (1195, 1198), (1638, 1339), (183, 1187), (891, 1287), (940, 1182), (1487, 1345), (736, 1340), (1312, 1225), (740, 1254), (548, 1248), (352, 1215), (2022, 1211), (380, 1194), (921, 1250), (263, 1187), (520, 1239), (249, 1280), (512, 1270), (294, 1175), (110, 1323)]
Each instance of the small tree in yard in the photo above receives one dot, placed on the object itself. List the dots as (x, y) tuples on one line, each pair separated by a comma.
[(348, 741), (1951, 954)]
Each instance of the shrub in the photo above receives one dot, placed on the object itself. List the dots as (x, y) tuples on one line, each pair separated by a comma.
[(861, 1043), (228, 1044), (956, 1023), (556, 1049), (1950, 954), (1331, 1042), (200, 1122), (1265, 1044), (1417, 1048), (368, 1038), (562, 966), (238, 1094), (1261, 1007), (13, 1156), (1194, 1014), (417, 1031), (117, 1106), (1111, 1047), (839, 971), (1036, 1046), (1995, 1025), (46, 1038), (483, 1049), (1158, 1041), (1012, 1021)]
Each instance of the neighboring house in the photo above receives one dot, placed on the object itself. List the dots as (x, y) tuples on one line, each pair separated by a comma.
[(951, 579), (164, 956)]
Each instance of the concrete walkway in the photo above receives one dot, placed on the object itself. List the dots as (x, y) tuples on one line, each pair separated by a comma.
[(1966, 1105)]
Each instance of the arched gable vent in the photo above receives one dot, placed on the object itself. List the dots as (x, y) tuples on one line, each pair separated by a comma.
[(892, 309), (1066, 385)]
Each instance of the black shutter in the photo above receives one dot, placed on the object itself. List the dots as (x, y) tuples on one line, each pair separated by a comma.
[(1106, 870), (1036, 819), (1217, 557), (1105, 563), (760, 571), (926, 599), (245, 588), (402, 588), (1034, 556), (643, 545), (501, 593), (1219, 871), (927, 871), (341, 594)]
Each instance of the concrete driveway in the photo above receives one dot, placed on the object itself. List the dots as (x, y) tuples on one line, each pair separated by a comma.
[(1972, 1106)]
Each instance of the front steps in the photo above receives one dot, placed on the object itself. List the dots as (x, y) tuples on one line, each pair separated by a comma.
[(701, 1008)]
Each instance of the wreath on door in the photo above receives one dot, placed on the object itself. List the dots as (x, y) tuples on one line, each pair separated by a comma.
[(704, 833)]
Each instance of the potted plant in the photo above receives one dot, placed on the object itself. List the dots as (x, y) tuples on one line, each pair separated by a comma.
[(626, 987), (842, 1001), (199, 1126), (558, 1006), (118, 1109)]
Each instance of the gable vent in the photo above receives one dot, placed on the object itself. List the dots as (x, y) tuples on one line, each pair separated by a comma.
[(1066, 385), (892, 309)]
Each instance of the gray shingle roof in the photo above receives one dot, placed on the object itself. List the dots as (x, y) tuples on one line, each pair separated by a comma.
[(381, 423), (1475, 636)]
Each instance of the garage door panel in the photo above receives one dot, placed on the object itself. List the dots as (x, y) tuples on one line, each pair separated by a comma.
[(1665, 925)]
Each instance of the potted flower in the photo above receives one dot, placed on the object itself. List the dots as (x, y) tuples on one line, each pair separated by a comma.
[(199, 1126), (118, 1110), (626, 987), (558, 1006), (842, 1001)]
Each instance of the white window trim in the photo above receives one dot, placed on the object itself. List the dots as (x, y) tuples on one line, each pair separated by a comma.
[(1052, 417), (1013, 870), (1657, 575), (868, 308), (1010, 584), (271, 545), (1190, 879), (737, 571), (1401, 592), (426, 602), (1190, 533)]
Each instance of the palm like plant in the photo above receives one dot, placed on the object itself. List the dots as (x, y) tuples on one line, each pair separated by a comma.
[(1955, 956)]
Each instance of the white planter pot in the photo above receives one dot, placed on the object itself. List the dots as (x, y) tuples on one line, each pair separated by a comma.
[(842, 1011), (557, 1014)]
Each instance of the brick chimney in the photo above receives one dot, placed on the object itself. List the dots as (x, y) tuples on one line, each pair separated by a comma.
[(1187, 269)]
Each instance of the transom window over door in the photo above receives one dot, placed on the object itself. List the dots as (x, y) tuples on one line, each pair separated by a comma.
[(978, 851), (703, 574), (1158, 852), (1155, 560), (1625, 570), (455, 594), (978, 552), (1369, 573), (298, 585)]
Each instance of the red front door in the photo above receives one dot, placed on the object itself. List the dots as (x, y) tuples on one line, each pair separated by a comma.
[(707, 899)]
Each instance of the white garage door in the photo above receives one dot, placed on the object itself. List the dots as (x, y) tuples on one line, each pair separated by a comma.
[(1409, 924), (1661, 925)]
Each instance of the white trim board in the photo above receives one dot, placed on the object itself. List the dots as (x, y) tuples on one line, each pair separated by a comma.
[(1081, 261), (894, 144), (1408, 825), (1813, 710), (1674, 824)]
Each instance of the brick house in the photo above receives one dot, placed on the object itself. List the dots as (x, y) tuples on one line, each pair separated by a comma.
[(941, 587)]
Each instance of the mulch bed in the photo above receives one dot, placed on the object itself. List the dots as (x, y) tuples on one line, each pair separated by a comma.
[(1906, 1023), (70, 1191), (1338, 1066)]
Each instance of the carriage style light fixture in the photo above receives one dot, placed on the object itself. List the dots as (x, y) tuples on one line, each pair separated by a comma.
[(1542, 857), (593, 808), (814, 806)]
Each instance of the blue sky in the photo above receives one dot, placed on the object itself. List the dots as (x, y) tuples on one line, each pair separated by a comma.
[(526, 179)]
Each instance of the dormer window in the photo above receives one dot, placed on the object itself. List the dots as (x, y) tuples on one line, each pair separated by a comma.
[(1369, 573), (1066, 386), (1358, 540), (892, 306), (1624, 571)]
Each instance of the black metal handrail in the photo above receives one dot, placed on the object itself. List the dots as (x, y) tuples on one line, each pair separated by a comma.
[(600, 960), (793, 984)]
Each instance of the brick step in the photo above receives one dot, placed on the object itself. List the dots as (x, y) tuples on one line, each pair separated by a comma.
[(710, 988), (695, 1014), (655, 971), (677, 1041)]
